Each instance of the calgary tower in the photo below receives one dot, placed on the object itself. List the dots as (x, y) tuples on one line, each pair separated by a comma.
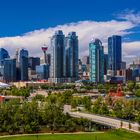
[(44, 49)]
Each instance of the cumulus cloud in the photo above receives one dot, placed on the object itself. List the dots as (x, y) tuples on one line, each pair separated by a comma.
[(130, 15), (131, 49), (86, 30)]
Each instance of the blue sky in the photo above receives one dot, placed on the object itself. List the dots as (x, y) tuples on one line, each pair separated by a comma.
[(26, 23), (20, 16)]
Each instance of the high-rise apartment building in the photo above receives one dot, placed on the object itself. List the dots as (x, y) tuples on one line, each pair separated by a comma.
[(96, 59)]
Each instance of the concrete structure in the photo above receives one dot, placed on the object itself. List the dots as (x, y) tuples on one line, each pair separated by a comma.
[(44, 49)]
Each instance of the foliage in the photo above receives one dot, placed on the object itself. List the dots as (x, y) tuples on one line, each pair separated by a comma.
[(137, 93), (30, 117), (17, 92), (39, 97), (131, 85)]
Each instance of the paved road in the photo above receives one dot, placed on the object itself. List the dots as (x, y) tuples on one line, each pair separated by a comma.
[(106, 121), (116, 123)]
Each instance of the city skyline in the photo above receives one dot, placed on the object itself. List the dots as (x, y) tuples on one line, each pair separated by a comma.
[(30, 33)]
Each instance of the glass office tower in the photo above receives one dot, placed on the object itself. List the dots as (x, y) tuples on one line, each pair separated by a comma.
[(33, 62), (57, 50), (96, 59), (114, 53), (9, 70), (71, 43), (105, 63), (3, 54), (23, 60)]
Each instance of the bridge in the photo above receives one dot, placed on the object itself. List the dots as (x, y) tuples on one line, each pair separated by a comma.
[(108, 121)]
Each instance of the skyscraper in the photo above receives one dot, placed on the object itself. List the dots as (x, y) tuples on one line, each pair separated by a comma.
[(57, 68), (105, 63), (71, 43), (33, 62), (3, 54), (23, 60), (96, 59), (42, 71), (9, 70), (114, 54), (48, 58)]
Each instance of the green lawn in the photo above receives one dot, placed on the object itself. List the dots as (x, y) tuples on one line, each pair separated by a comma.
[(114, 135)]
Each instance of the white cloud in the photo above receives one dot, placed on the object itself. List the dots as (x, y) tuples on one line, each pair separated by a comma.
[(86, 30), (130, 15), (131, 49)]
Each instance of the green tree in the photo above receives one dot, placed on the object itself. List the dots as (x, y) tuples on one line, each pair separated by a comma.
[(118, 108), (137, 93), (131, 85), (97, 104), (87, 102)]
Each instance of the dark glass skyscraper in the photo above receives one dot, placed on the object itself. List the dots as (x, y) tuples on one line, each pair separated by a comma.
[(114, 53), (9, 70), (33, 62), (23, 60), (105, 63), (57, 68), (71, 43), (3, 54), (96, 59)]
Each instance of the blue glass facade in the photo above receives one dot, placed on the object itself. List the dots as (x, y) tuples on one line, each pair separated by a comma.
[(23, 60), (42, 71), (71, 43), (3, 54), (96, 59), (9, 70), (114, 53)]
